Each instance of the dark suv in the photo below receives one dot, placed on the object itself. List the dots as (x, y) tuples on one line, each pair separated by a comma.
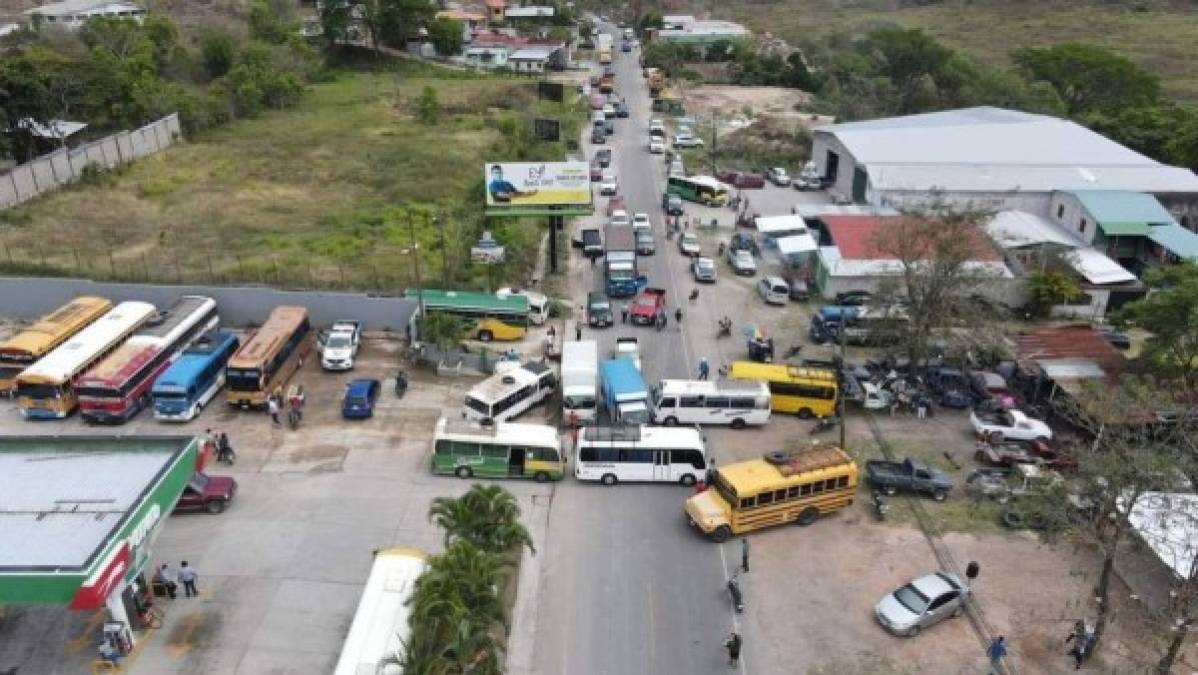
[(598, 309)]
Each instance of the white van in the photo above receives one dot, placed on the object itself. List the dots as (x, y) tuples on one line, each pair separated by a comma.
[(538, 303), (505, 395), (774, 290), (580, 380), (737, 403)]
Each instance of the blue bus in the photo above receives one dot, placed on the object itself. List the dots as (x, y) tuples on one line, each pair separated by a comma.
[(194, 379)]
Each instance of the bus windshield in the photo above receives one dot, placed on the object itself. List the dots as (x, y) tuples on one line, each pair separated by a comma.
[(244, 379), (37, 391)]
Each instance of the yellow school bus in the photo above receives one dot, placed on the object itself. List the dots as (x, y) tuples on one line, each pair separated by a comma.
[(782, 487), (806, 392), (25, 348)]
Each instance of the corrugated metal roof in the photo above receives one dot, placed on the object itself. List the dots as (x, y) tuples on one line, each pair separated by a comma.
[(1180, 241), (774, 224), (1097, 268), (1168, 523), (857, 237), (1123, 206), (1069, 343), (796, 243), (982, 177), (1016, 229)]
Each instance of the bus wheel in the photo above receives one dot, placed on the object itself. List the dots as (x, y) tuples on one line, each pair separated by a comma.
[(721, 534), (805, 413), (608, 479), (738, 423), (671, 421), (463, 472), (485, 335), (541, 477), (687, 480), (808, 516)]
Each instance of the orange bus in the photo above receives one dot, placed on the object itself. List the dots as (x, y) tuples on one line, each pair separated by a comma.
[(269, 357), (25, 348)]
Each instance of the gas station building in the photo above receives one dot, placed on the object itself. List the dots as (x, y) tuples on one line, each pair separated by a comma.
[(79, 516)]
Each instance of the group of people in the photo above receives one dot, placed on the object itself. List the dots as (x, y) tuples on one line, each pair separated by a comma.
[(219, 445), (169, 580), (295, 402)]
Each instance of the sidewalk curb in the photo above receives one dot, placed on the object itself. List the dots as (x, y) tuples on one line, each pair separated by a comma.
[(522, 639)]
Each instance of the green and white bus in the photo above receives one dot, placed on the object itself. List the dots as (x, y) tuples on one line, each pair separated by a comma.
[(700, 189), (495, 318), (500, 450)]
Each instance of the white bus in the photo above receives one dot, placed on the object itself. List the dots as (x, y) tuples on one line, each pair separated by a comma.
[(734, 402), (376, 638), (657, 454), (538, 303), (506, 395)]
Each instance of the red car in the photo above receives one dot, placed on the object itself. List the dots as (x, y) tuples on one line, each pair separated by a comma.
[(596, 171), (742, 180), (208, 493)]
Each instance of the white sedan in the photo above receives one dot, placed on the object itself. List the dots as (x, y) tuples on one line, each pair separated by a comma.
[(656, 145), (687, 141), (688, 244), (608, 186), (640, 221)]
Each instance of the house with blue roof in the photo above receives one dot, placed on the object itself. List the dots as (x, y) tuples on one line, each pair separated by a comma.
[(1132, 228)]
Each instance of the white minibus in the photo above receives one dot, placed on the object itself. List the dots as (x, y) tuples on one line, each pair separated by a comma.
[(657, 454), (733, 402), (506, 395)]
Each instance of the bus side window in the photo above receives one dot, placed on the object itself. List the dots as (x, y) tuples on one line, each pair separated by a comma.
[(496, 451), (587, 454), (793, 492), (638, 455), (817, 487), (805, 489), (465, 449), (690, 401), (718, 402), (843, 481), (748, 503), (765, 498), (744, 403), (780, 495), (444, 448), (667, 402)]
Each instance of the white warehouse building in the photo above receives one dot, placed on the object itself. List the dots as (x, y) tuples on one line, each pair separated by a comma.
[(987, 158)]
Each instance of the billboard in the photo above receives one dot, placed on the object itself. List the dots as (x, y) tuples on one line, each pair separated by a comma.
[(538, 184)]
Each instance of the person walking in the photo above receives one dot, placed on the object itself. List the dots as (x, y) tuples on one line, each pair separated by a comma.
[(187, 577), (678, 317), (577, 332), (997, 651), (224, 450), (1081, 637), (744, 554), (704, 368), (624, 313), (272, 408), (732, 644)]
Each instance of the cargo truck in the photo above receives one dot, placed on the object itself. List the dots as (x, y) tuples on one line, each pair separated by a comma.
[(580, 381), (619, 268), (624, 392)]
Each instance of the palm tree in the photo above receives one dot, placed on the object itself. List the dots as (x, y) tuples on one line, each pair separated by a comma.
[(486, 515)]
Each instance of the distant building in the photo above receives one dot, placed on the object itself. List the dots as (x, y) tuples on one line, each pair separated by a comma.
[(1131, 227), (537, 59), (530, 12), (686, 29), (988, 158), (72, 14), (488, 56), (495, 11), (472, 22)]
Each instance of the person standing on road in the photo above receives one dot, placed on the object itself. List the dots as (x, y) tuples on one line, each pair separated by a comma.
[(744, 554), (678, 317), (577, 332), (997, 651), (187, 577), (272, 408), (732, 643), (624, 313), (704, 368)]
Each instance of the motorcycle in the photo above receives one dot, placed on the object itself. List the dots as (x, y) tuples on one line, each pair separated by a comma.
[(879, 504), (725, 328), (793, 351), (401, 384), (738, 600), (824, 424)]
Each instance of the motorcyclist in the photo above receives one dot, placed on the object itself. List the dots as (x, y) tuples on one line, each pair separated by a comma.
[(296, 403)]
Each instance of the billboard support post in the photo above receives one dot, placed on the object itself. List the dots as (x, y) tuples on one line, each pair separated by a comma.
[(555, 223)]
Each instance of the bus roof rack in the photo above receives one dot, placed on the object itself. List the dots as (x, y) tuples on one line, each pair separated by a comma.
[(802, 460), (625, 433)]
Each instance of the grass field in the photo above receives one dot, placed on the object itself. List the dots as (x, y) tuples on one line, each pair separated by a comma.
[(1160, 36), (314, 197)]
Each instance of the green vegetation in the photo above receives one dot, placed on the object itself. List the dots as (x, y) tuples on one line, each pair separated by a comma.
[(460, 606), (315, 196), (1170, 314)]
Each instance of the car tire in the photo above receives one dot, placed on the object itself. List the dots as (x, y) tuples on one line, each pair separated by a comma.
[(721, 534), (807, 516), (805, 413), (609, 479), (464, 472), (939, 495), (738, 423), (913, 631), (1012, 519), (687, 480), (215, 506), (541, 477), (670, 421), (485, 336)]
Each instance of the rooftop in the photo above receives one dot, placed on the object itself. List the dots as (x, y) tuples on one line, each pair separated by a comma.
[(1180, 241), (1017, 229), (994, 149), (83, 7), (857, 237), (1054, 346), (533, 53), (527, 12), (1112, 207), (62, 497), (1168, 523)]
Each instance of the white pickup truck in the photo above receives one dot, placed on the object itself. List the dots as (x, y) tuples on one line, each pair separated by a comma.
[(339, 346), (1012, 425), (628, 348)]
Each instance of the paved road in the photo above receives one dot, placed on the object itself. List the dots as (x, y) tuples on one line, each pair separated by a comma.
[(626, 587)]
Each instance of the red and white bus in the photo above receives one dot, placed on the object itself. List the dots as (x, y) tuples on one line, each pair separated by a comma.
[(116, 388)]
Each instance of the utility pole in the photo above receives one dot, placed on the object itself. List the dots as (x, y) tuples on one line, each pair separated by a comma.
[(439, 222), (416, 263), (839, 377), (714, 142)]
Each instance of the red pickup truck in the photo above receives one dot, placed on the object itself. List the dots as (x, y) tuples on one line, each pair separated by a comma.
[(647, 305), (615, 204), (743, 180), (207, 493)]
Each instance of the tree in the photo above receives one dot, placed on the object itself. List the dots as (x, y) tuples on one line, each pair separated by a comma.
[(1090, 78), (273, 21), (445, 331), (651, 19), (934, 249), (399, 20), (428, 109), (1048, 288), (486, 516), (447, 36), (24, 94), (336, 17), (1170, 314), (219, 53), (910, 59)]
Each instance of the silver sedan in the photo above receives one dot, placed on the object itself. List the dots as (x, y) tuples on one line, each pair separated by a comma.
[(923, 602)]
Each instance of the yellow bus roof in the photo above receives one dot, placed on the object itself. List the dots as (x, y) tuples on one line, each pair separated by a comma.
[(778, 372), (757, 475), (57, 326), (267, 340)]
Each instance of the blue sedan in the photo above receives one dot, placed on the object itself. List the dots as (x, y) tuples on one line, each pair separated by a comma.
[(360, 397)]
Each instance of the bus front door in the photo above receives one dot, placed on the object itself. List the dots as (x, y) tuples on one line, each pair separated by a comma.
[(515, 462), (661, 465)]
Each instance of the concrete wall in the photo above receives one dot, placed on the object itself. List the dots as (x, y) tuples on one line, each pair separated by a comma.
[(63, 166), (821, 144), (993, 202), (30, 298), (1066, 210)]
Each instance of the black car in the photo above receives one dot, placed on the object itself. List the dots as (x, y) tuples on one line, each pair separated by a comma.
[(744, 241), (853, 298), (603, 156), (598, 135), (951, 387), (598, 309), (672, 204), (621, 110)]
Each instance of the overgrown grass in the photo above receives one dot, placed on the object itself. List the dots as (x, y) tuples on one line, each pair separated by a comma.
[(317, 196), (1157, 34)]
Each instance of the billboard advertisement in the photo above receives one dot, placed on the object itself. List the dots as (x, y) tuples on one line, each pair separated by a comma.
[(543, 184)]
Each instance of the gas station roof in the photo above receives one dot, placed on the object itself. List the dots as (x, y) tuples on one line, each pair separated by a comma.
[(65, 500)]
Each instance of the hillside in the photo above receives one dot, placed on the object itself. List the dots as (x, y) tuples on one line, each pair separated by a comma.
[(1158, 35)]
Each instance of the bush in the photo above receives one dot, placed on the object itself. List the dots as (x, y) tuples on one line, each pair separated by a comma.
[(218, 53)]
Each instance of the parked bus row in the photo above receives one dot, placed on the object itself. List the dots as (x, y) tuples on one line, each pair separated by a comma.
[(111, 361), (781, 487)]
